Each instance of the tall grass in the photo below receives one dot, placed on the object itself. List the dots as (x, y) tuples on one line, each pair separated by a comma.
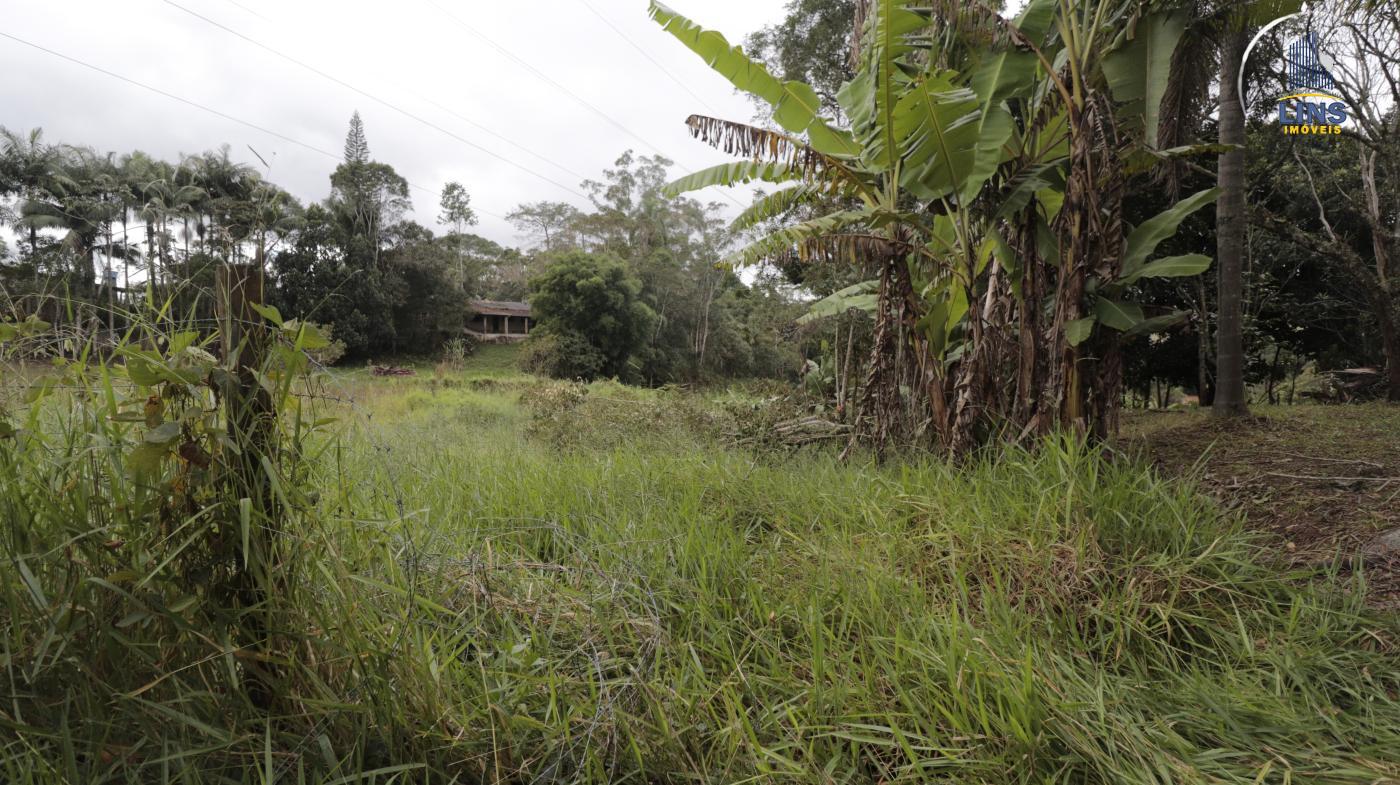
[(591, 586)]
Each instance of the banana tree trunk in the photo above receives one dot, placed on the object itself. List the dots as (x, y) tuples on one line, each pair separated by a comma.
[(1088, 378)]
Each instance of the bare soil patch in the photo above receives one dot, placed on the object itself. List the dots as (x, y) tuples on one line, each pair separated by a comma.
[(1323, 481)]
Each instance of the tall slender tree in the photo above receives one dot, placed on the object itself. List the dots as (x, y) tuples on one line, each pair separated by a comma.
[(35, 165), (1230, 227), (367, 196), (356, 146), (457, 213)]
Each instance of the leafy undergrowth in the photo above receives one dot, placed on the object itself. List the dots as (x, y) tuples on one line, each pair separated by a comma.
[(1322, 481), (576, 591)]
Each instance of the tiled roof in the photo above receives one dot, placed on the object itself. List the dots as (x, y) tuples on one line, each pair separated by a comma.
[(499, 308)]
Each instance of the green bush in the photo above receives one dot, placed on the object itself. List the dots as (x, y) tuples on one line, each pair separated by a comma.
[(591, 304), (333, 350), (561, 355)]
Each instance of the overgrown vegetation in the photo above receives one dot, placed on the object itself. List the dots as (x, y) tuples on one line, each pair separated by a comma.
[(929, 560), (679, 608)]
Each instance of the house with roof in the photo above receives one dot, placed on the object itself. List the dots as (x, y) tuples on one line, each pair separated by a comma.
[(499, 321)]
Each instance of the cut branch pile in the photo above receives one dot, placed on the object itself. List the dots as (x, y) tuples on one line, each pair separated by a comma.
[(797, 432), (391, 370)]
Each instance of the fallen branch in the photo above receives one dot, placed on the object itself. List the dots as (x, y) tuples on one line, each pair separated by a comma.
[(1385, 480), (1334, 460)]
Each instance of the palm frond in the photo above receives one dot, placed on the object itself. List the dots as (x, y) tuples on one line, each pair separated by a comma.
[(854, 248), (772, 205), (764, 144), (978, 23), (791, 239), (737, 173), (796, 106)]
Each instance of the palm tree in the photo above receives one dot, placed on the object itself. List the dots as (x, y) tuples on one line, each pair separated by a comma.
[(1213, 50), (228, 187), (1230, 227), (137, 171), (274, 214), (74, 203), (166, 198), (34, 165)]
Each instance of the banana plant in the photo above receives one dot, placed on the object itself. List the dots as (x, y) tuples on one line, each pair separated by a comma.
[(856, 297), (982, 174)]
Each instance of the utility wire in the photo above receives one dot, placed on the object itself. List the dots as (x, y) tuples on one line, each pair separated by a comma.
[(542, 75), (458, 115), (379, 100), (171, 96), (713, 112), (245, 8), (210, 110), (505, 139)]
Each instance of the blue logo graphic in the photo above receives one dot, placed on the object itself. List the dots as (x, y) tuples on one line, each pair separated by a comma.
[(1305, 68), (1312, 106)]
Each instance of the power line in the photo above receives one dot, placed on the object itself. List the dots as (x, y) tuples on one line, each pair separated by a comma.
[(210, 110), (379, 100), (505, 139), (648, 56), (463, 118), (537, 72), (171, 96), (542, 75), (246, 9)]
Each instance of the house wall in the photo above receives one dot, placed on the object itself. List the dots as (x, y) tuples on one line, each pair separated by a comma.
[(500, 324)]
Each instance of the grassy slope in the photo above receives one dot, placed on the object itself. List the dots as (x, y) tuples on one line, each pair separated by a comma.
[(591, 587)]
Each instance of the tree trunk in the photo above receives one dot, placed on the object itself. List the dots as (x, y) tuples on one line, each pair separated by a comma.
[(1383, 296), (1205, 395), (1230, 226), (1273, 375), (34, 251), (1390, 344), (126, 263), (152, 268), (251, 423)]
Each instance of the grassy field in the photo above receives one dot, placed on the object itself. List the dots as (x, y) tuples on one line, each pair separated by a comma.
[(508, 580)]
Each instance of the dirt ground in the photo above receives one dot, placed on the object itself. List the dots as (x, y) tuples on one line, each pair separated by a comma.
[(1323, 481)]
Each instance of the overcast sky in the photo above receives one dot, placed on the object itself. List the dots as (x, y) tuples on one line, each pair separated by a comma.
[(433, 59)]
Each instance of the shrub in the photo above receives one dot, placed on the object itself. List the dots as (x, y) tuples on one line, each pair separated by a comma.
[(608, 415), (590, 301), (562, 355), (455, 351), (334, 349)]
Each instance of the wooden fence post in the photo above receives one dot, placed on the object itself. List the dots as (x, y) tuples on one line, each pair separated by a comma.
[(251, 426)]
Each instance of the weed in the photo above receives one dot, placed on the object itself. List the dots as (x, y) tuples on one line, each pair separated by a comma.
[(524, 581)]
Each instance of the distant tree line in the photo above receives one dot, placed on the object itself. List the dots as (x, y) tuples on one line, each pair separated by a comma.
[(97, 233)]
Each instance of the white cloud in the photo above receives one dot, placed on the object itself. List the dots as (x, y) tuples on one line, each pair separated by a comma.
[(410, 54)]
